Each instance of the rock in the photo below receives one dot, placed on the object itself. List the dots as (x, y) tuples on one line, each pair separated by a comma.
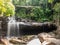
[(41, 39), (51, 43), (44, 35), (48, 39), (6, 42), (34, 42), (1, 42), (15, 41), (45, 43), (26, 38), (48, 43)]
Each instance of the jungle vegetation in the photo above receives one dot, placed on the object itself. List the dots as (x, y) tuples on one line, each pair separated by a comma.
[(38, 10)]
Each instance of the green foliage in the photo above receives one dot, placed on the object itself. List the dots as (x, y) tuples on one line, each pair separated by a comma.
[(57, 11), (45, 9), (6, 8), (50, 1), (57, 7), (29, 2), (35, 13)]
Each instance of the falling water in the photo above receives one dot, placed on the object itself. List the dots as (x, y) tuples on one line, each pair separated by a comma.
[(13, 28), (18, 34)]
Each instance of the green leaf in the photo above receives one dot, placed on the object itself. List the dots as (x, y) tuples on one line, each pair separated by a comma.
[(50, 1)]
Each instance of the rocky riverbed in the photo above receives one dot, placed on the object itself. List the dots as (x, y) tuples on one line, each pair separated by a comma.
[(49, 38), (45, 38)]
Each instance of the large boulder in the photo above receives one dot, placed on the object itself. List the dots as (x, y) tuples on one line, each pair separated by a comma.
[(36, 28), (48, 39)]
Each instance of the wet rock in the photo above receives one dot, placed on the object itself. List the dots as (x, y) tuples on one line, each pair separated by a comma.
[(51, 43), (1, 42), (48, 39), (16, 41), (36, 28), (48, 43), (26, 38), (6, 42), (35, 41)]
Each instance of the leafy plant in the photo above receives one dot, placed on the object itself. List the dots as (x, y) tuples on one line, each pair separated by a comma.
[(50, 1), (6, 8), (57, 7), (41, 10)]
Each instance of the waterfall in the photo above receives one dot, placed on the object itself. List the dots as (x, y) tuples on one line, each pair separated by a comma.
[(18, 34), (13, 28)]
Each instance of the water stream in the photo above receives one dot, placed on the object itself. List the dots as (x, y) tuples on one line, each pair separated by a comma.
[(13, 28)]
